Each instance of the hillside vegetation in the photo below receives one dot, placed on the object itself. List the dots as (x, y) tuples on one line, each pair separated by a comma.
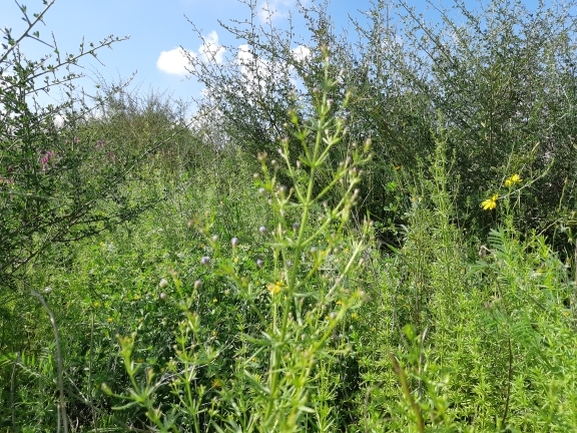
[(371, 236)]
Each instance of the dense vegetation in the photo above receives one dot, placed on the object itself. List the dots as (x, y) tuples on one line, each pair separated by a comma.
[(372, 236)]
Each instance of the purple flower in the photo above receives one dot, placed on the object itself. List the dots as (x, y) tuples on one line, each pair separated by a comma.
[(205, 260)]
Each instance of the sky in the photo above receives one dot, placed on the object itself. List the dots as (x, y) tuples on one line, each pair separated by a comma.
[(156, 29)]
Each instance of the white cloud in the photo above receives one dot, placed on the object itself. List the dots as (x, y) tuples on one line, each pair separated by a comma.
[(176, 60), (173, 61), (210, 49), (257, 72), (301, 53)]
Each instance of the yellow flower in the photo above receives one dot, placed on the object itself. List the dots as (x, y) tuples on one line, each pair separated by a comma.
[(110, 319), (274, 289), (490, 203), (509, 182)]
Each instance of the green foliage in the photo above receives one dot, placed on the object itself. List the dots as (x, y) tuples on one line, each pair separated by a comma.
[(248, 295)]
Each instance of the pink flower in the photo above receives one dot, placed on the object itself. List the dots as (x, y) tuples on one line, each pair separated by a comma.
[(45, 160)]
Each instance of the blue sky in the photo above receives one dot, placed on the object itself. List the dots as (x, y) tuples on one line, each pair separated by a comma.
[(156, 29)]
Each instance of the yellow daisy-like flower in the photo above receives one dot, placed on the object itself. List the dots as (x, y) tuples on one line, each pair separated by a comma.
[(509, 182), (490, 203)]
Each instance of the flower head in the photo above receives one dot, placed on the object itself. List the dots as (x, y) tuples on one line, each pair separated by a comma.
[(490, 203), (514, 179)]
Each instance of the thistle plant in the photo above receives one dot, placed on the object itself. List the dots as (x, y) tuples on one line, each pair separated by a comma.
[(296, 296)]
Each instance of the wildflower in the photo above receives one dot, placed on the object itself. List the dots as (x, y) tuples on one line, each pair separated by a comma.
[(490, 203), (275, 288), (216, 383), (259, 263), (163, 283), (45, 160), (262, 230), (234, 242), (110, 319), (163, 296), (205, 260), (96, 304), (509, 182)]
